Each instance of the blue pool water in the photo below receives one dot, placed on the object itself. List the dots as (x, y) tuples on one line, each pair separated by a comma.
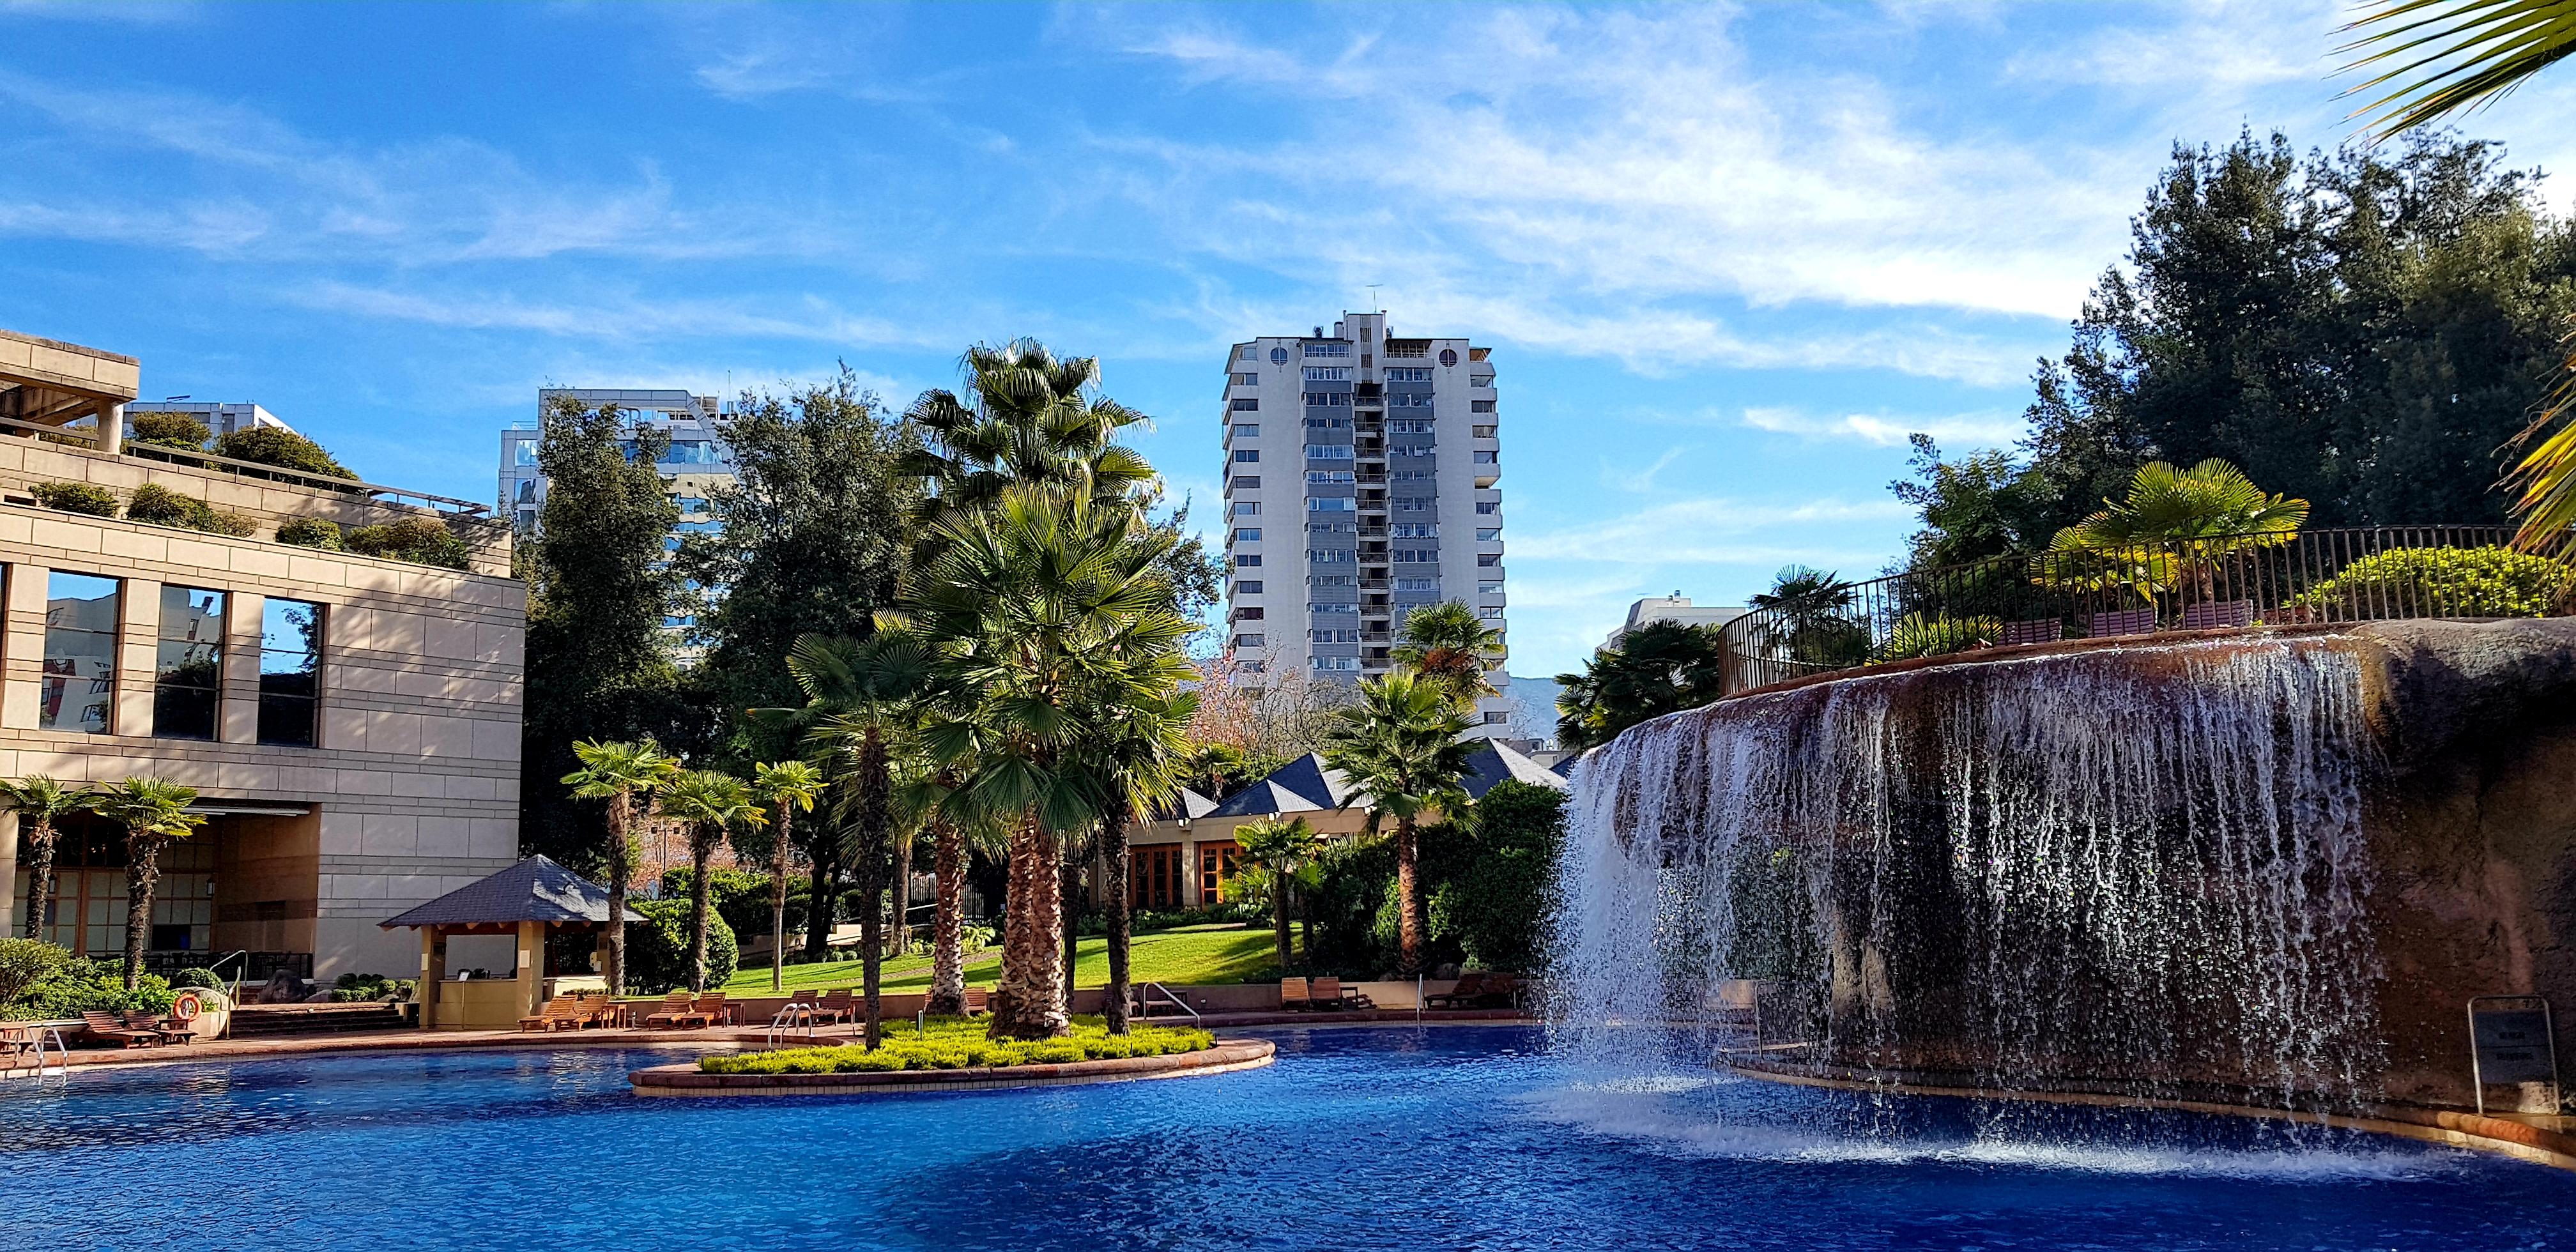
[(1436, 1138)]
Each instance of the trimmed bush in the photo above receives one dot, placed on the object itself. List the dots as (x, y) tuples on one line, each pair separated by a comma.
[(80, 985), (419, 540), (197, 976), (161, 506), (268, 445), (2454, 582), (27, 962), (77, 498), (1933, 634), (171, 430), (961, 1043), (310, 532), (359, 988), (657, 948)]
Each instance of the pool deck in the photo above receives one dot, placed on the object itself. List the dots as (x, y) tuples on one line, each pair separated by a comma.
[(714, 1038)]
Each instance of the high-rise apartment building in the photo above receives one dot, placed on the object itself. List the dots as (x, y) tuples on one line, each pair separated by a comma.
[(1360, 485), (697, 461)]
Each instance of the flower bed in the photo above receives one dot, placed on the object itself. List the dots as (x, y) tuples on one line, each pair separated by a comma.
[(960, 1043)]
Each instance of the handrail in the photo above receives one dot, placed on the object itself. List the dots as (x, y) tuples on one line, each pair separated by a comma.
[(376, 492), (1145, 1002), (787, 1018)]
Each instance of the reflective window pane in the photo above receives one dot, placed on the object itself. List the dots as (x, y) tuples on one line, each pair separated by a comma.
[(79, 688), (290, 670), (188, 671)]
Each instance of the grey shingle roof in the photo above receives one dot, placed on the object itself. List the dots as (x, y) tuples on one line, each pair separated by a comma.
[(1304, 785), (534, 890), (1495, 762)]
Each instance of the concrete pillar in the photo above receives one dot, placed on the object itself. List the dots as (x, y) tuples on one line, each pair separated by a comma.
[(9, 872), (433, 972), (111, 429), (238, 718), (138, 658), (1189, 893), (24, 662), (532, 967)]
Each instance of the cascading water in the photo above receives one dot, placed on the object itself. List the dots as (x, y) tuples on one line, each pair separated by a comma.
[(2135, 870)]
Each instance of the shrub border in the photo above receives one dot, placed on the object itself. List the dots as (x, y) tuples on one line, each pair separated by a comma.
[(1227, 1056)]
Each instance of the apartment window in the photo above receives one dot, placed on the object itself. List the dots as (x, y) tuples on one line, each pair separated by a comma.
[(1448, 357), (1491, 613), (1334, 609), (1328, 399), (1489, 589), (693, 452), (1488, 458), (1329, 580), (1248, 352), (523, 452), (1278, 356), (1403, 374), (1248, 586), (188, 673), (1481, 406), (1332, 635), (1496, 717), (1365, 359), (1401, 450), (1328, 349), (1489, 532), (1346, 664), (1249, 560), (1244, 404), (82, 612), (1247, 482), (1365, 332), (1417, 556), (1480, 380), (1245, 380), (1417, 584), (1332, 556), (1411, 426), (1330, 476), (1482, 432), (1417, 348), (1414, 530), (1247, 430), (1247, 615), (1412, 504), (692, 504), (1404, 401), (1489, 507), (290, 672), (1328, 423), (1247, 455), (1252, 641), (1332, 504), (1247, 508), (1328, 373), (1328, 452), (1489, 560), (1247, 534)]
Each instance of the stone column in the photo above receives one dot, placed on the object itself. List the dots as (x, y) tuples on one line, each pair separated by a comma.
[(532, 967), (433, 971), (1189, 884), (9, 872), (138, 658), (111, 429), (25, 663), (238, 718)]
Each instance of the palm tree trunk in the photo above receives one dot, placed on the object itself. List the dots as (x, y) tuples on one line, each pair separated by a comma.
[(1279, 913), (702, 850), (1408, 900), (1029, 1002), (621, 867), (902, 890), (40, 875), (142, 872), (1113, 852), (820, 904), (871, 944), (1070, 916), (948, 923), (778, 906), (873, 822)]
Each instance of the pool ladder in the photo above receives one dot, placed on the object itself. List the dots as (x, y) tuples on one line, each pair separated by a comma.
[(38, 1038), (1145, 993), (787, 1019)]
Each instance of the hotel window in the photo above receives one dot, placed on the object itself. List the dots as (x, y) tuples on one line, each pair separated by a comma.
[(1248, 586), (1246, 430), (1247, 508), (1216, 865), (1246, 404), (1246, 380), (1247, 455), (1490, 613), (1487, 458), (1489, 560), (1249, 560), (1246, 482), (1489, 507), (290, 672), (1489, 532), (81, 616), (523, 452), (1247, 534), (1481, 406), (188, 675)]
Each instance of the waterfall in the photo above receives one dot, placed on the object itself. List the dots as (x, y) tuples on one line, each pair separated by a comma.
[(2132, 870)]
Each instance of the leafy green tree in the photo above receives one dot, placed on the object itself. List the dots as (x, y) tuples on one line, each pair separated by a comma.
[(623, 774), (1449, 645), (153, 812), (2177, 525), (659, 946), (41, 804), (1400, 743), (1658, 668), (788, 787), (1493, 901), (707, 804), (1280, 846)]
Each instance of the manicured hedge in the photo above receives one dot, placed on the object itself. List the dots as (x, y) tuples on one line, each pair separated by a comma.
[(960, 1043)]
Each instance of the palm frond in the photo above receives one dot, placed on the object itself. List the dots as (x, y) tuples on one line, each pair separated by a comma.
[(2437, 57)]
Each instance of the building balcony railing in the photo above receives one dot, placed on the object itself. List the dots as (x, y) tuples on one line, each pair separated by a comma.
[(2243, 582)]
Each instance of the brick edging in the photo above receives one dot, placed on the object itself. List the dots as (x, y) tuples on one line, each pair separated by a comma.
[(1226, 1056)]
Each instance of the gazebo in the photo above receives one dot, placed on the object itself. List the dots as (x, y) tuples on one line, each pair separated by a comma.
[(532, 900)]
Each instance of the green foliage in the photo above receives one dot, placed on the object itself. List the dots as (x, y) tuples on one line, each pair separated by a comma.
[(961, 1043), (358, 988), (419, 540), (1934, 634), (657, 948), (27, 962), (1808, 617), (78, 985), (1490, 897), (740, 897), (271, 445), (171, 430), (1658, 668), (197, 976), (77, 498), (1355, 884), (2455, 582), (161, 506), (310, 532)]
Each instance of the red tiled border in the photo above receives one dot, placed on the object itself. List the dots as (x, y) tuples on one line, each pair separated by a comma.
[(688, 1080)]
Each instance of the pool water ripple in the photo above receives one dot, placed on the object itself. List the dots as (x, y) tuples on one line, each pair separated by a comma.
[(1437, 1138)]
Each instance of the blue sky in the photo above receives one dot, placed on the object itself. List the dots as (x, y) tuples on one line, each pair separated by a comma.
[(1726, 256)]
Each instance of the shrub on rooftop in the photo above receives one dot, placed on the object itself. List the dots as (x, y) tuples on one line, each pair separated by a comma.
[(419, 540), (161, 506), (77, 498), (271, 445), (310, 532), (171, 430)]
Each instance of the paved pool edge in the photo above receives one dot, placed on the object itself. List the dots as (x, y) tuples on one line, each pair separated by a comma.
[(683, 1081)]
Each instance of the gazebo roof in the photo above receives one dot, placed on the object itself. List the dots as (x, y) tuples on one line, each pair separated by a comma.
[(534, 890), (1499, 762)]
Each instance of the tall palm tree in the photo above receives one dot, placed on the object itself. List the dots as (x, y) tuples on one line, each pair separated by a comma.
[(621, 773), (1805, 615), (1279, 847), (153, 813), (787, 787), (1049, 613), (1658, 668), (1138, 760), (709, 804), (1400, 743), (1448, 644), (40, 803), (1028, 416), (867, 698)]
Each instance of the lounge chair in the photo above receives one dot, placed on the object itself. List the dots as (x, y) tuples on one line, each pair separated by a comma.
[(1294, 995), (171, 1029), (1469, 989), (560, 1013), (2218, 615), (2125, 622), (676, 1010), (1327, 993), (717, 1012), (1503, 990), (101, 1025), (838, 1006), (2036, 630), (978, 1002)]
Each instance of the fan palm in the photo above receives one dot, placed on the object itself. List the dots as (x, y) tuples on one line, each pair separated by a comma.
[(708, 804), (1400, 743), (865, 698), (2192, 518), (787, 786), (2438, 57), (153, 813), (1806, 615), (1279, 847), (1138, 761), (1448, 644), (620, 772), (1049, 613), (1027, 417), (1658, 668), (40, 803)]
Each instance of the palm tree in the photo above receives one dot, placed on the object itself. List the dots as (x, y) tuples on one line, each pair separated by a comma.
[(709, 804), (1806, 615), (1028, 416), (2193, 517), (786, 786), (1138, 761), (1400, 743), (1050, 614), (2438, 57), (621, 773), (1279, 847), (40, 802), (1658, 668), (153, 813), (1448, 644), (866, 698), (2546, 478)]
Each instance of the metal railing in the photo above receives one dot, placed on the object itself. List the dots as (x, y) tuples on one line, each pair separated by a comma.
[(2216, 583), (1145, 1000), (376, 493)]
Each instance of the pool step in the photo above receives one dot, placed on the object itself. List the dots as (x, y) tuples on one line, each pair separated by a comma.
[(270, 1021)]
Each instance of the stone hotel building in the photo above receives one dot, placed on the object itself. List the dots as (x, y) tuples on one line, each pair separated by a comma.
[(351, 723)]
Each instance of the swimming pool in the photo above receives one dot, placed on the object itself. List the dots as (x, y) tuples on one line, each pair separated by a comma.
[(1449, 1137)]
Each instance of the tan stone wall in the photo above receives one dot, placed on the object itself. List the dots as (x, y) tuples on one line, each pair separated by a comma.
[(414, 786), (25, 462)]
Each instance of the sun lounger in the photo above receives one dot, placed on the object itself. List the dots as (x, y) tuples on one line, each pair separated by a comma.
[(839, 1006), (2037, 630), (1327, 993), (676, 1010), (1294, 995), (1469, 989), (978, 1002), (101, 1025), (171, 1029), (713, 1007), (560, 1013)]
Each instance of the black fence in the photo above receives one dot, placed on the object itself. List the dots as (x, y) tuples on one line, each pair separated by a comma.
[(2214, 583), (245, 967)]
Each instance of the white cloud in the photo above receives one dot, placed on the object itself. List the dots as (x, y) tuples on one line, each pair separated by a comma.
[(621, 317), (1639, 482), (1712, 531), (1987, 429)]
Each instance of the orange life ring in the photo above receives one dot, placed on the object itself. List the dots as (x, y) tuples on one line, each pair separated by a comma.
[(187, 1006)]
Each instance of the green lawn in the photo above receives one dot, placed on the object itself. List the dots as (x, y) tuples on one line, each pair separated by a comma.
[(1187, 954)]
